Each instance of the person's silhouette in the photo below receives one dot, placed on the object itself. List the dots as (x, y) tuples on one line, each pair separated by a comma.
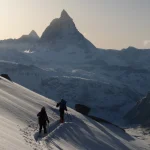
[(42, 118), (62, 108)]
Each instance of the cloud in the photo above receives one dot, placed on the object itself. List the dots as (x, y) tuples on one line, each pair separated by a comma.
[(146, 42)]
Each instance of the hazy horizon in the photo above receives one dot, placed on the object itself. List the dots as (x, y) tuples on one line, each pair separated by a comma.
[(109, 24)]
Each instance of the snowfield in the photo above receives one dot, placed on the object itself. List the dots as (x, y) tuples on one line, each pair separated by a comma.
[(19, 129)]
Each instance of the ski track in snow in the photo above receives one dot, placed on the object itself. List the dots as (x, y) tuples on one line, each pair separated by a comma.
[(27, 133), (36, 141)]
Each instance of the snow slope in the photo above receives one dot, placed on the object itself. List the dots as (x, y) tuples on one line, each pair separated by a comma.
[(18, 126)]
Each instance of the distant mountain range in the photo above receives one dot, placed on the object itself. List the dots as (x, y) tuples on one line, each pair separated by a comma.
[(31, 37)]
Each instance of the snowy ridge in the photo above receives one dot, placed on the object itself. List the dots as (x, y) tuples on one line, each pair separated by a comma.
[(18, 127)]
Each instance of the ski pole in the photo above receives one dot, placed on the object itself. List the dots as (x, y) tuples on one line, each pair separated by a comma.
[(36, 127), (68, 116)]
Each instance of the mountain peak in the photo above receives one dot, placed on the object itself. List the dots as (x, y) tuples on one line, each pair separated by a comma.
[(33, 34), (63, 29), (64, 15), (130, 48)]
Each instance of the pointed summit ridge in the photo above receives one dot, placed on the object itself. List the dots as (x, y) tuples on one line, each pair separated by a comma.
[(33, 34), (60, 27), (64, 15), (31, 37), (63, 30)]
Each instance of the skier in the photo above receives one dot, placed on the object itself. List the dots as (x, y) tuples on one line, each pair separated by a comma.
[(42, 118), (62, 108)]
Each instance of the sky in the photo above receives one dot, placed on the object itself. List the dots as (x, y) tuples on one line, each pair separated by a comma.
[(108, 24)]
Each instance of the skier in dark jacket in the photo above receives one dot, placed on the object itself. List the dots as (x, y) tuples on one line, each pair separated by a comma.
[(42, 118), (62, 108)]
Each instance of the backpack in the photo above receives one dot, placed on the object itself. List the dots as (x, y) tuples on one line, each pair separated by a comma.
[(63, 104)]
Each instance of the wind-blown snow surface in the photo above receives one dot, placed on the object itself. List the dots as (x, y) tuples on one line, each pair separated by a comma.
[(18, 125)]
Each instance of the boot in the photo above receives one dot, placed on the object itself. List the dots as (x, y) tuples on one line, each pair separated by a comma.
[(61, 120)]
